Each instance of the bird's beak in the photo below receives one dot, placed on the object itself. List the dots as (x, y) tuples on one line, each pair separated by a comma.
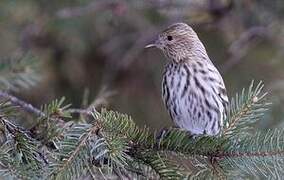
[(152, 44)]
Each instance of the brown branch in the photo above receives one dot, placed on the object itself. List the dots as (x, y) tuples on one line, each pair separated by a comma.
[(248, 154), (18, 102), (12, 128), (26, 106), (99, 101), (79, 111)]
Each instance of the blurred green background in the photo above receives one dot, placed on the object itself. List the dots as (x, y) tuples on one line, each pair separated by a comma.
[(92, 51)]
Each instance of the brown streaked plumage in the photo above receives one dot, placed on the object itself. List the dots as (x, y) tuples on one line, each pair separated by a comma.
[(193, 90)]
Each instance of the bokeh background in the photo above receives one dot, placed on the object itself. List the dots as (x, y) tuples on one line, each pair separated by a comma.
[(92, 51)]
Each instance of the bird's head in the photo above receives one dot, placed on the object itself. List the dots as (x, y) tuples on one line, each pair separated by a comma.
[(178, 42)]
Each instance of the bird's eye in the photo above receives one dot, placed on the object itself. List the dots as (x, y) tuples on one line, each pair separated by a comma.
[(170, 38)]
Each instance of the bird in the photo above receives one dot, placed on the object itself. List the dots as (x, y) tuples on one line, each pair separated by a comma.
[(193, 90)]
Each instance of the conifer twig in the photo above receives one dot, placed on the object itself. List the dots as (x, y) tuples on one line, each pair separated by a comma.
[(249, 154), (26, 106), (18, 102), (80, 111)]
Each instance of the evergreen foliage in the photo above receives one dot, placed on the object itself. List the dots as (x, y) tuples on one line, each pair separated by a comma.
[(18, 72), (110, 145)]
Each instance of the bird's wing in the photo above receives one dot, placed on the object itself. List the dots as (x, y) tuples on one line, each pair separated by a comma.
[(220, 89), (224, 98)]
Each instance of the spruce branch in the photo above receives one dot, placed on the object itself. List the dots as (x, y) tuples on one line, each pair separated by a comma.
[(161, 165), (73, 152), (24, 145), (245, 109), (259, 155), (118, 123), (55, 111), (113, 145), (177, 140), (7, 168), (50, 117), (21, 155), (110, 153), (10, 169), (18, 102), (145, 149), (50, 126), (83, 143), (200, 167)]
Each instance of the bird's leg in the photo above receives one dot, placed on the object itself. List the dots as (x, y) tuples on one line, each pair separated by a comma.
[(163, 133)]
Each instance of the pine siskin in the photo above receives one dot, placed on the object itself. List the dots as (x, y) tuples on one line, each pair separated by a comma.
[(193, 90)]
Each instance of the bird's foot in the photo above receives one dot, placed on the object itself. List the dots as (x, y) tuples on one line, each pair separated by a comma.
[(165, 132), (162, 134)]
